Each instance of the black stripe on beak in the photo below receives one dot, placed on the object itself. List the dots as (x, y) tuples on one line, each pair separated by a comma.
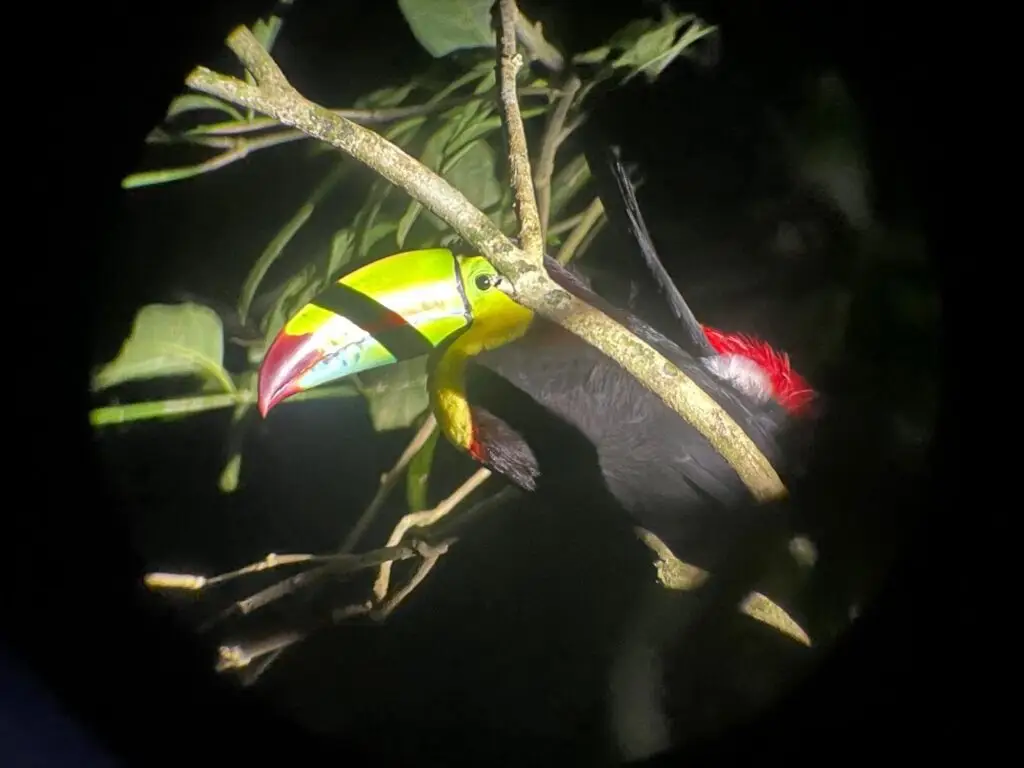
[(389, 328)]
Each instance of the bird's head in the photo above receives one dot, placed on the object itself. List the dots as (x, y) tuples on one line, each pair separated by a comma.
[(397, 308)]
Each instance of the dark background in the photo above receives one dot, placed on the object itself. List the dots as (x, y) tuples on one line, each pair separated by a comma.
[(96, 642)]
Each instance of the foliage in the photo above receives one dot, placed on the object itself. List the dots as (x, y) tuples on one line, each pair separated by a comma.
[(455, 130), (648, 47), (165, 341)]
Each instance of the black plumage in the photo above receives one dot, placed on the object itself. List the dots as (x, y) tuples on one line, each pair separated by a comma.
[(556, 415), (583, 408)]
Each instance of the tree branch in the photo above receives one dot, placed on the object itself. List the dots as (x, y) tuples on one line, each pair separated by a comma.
[(242, 654), (335, 565), (360, 116), (531, 37), (510, 61), (586, 222), (235, 150), (229, 137), (388, 482), (552, 140), (679, 576), (425, 519), (275, 97)]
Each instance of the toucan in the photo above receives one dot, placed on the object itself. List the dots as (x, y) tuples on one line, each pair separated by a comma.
[(450, 306)]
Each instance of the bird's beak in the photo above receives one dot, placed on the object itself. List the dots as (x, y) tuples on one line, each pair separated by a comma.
[(397, 308)]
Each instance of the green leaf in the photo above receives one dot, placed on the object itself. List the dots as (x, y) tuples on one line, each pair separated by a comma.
[(401, 133), (377, 233), (473, 171), (567, 183), (284, 236), (649, 51), (169, 340), (176, 408), (269, 256), (434, 150), (481, 125), (366, 220), (267, 30), (432, 156), (628, 36), (593, 56), (109, 415), (261, 31), (162, 176), (275, 315), (484, 69), (385, 97), (696, 31), (195, 101), (228, 481), (468, 115), (396, 394), (405, 223), (647, 46), (444, 26), (295, 294), (417, 477), (487, 83), (484, 124), (341, 252), (241, 422)]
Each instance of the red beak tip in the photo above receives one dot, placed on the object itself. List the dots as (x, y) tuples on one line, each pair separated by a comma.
[(266, 402)]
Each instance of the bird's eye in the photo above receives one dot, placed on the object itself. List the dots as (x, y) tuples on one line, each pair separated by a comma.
[(484, 282)]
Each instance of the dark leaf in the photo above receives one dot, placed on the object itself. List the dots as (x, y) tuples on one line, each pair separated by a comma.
[(444, 26)]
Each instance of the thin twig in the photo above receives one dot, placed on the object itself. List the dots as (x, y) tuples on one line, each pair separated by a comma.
[(425, 567), (360, 116), (589, 238), (194, 582), (550, 143), (336, 565), (219, 136), (241, 654), (531, 36), (237, 655), (571, 127), (242, 148), (564, 225), (680, 576), (588, 219), (425, 519), (388, 482), (510, 61), (180, 406), (275, 97)]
